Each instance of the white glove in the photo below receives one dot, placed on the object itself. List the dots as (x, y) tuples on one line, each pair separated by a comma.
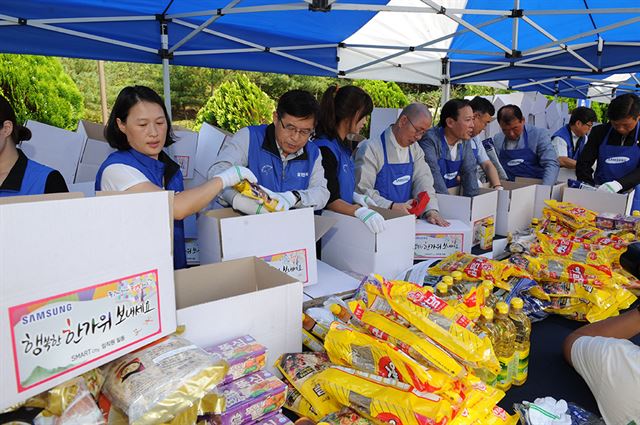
[(234, 175), (286, 200), (247, 205), (373, 220), (228, 195), (611, 187), (499, 188), (363, 200)]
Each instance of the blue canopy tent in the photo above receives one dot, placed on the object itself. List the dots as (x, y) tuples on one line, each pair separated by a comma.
[(419, 41)]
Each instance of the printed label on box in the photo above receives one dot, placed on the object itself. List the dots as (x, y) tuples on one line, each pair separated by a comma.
[(437, 245), (483, 232), (55, 335), (293, 263), (183, 162), (193, 251)]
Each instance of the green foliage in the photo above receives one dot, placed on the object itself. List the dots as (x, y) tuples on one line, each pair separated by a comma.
[(236, 103), (275, 85), (384, 94), (191, 87), (39, 89)]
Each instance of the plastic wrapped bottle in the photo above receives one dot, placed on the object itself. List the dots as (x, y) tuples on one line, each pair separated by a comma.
[(505, 345), (458, 288), (486, 326), (490, 300), (523, 341)]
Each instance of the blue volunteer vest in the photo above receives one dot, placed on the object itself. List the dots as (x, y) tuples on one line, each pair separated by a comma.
[(565, 134), (33, 181), (520, 162), (154, 170), (268, 166), (346, 169), (449, 169), (394, 181)]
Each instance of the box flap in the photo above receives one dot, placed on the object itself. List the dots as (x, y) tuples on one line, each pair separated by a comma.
[(528, 181), (38, 198), (203, 284), (388, 214), (323, 225), (93, 130)]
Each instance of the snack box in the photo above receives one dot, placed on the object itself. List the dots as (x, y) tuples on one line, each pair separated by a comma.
[(607, 221), (244, 356), (274, 419)]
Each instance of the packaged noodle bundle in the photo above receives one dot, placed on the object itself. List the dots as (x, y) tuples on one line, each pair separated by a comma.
[(579, 252), (571, 308), (301, 370), (346, 416), (599, 297), (243, 355), (571, 214), (384, 399), (556, 269), (472, 301), (298, 404), (410, 340), (478, 268), (442, 323), (162, 380), (73, 404), (347, 347), (275, 419), (255, 191)]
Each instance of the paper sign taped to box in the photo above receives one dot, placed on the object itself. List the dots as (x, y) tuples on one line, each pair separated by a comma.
[(51, 337), (293, 263), (437, 245)]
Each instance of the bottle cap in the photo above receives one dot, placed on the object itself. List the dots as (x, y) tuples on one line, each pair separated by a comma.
[(553, 218), (535, 221), (487, 284), (335, 309), (490, 220), (442, 287), (502, 308), (447, 280), (487, 313), (457, 275), (517, 303), (635, 213)]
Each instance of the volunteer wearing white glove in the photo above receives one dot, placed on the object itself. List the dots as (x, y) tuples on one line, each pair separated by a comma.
[(616, 147), (139, 128), (280, 156), (343, 113)]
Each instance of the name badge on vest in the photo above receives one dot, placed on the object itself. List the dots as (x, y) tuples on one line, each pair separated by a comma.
[(450, 176), (401, 180), (617, 160), (303, 175), (515, 162)]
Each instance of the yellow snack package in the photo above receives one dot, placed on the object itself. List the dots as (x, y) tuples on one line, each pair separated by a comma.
[(599, 297), (471, 302), (499, 416), (579, 252), (479, 268), (411, 341), (254, 191), (298, 404), (571, 308), (574, 215), (384, 400), (442, 323), (556, 269), (302, 370), (350, 348)]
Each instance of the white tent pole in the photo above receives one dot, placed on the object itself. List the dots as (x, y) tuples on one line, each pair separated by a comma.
[(166, 82), (516, 21), (446, 81)]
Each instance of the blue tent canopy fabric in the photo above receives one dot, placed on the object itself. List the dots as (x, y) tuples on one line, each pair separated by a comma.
[(517, 42)]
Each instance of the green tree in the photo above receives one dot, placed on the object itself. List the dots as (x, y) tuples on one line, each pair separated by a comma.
[(384, 94), (236, 103), (39, 89)]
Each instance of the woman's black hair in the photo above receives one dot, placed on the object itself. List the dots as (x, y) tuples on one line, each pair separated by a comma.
[(451, 109), (339, 104), (127, 99), (20, 132)]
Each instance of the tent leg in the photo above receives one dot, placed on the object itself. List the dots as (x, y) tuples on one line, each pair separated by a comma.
[(446, 81), (166, 83)]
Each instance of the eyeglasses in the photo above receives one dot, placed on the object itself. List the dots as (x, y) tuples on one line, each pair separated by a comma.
[(418, 132), (293, 130)]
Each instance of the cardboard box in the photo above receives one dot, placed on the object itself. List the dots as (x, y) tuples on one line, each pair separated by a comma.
[(331, 281), (470, 210), (57, 148), (210, 140), (543, 193), (183, 151), (285, 240), (218, 302), (86, 173), (617, 203), (381, 118), (438, 242), (83, 282), (96, 148), (86, 188), (516, 204), (350, 246)]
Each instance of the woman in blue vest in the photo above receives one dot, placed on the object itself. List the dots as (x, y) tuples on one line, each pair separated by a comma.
[(139, 128), (343, 113), (18, 174)]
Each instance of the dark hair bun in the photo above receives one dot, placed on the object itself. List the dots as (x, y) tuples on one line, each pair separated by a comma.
[(23, 133)]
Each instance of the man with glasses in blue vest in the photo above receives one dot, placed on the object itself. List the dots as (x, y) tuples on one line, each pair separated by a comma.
[(280, 156)]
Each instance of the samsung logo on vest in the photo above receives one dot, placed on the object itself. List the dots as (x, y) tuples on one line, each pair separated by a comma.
[(451, 176), (616, 160), (303, 174), (266, 169), (515, 162), (401, 180)]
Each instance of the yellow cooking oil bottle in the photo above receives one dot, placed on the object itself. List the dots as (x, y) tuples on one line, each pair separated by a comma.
[(523, 339), (505, 345), (486, 327)]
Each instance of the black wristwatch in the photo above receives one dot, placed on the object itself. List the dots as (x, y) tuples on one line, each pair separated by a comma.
[(297, 195)]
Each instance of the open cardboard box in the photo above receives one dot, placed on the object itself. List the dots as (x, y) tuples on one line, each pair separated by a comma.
[(543, 193), (599, 201), (84, 281), (516, 204), (218, 302), (350, 246), (183, 151), (96, 148), (285, 240), (210, 140), (438, 242)]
